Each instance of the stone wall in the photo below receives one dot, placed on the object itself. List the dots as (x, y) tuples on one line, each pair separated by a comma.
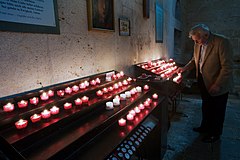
[(29, 61)]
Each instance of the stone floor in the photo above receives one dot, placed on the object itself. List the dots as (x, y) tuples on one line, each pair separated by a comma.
[(184, 144)]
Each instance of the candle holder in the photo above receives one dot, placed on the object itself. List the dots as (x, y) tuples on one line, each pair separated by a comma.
[(35, 118), (21, 124), (9, 107)]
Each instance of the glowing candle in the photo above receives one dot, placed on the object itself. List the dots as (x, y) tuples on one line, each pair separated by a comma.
[(50, 93), (60, 93), (93, 82), (110, 89), (129, 79), (108, 78), (117, 97), (86, 83), (141, 106), (67, 105), (21, 124), (34, 100), (54, 110), (109, 105), (116, 101), (98, 81), (114, 76), (85, 99), (133, 91), (122, 122), (125, 82), (130, 117), (44, 96), (68, 90), (146, 103), (128, 94), (75, 88), (8, 107), (35, 118), (146, 87), (162, 75), (118, 75), (155, 96), (122, 96), (139, 89), (132, 112), (120, 84), (78, 101), (105, 90), (121, 73), (82, 85), (137, 110), (115, 86), (22, 104), (149, 100), (99, 93), (45, 114)]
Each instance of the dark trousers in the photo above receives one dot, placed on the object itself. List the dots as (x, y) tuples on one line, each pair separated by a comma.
[(213, 109)]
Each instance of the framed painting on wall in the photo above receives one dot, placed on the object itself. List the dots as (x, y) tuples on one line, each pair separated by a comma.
[(159, 23), (124, 27), (100, 15)]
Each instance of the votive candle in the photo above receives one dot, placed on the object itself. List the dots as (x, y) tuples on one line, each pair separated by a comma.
[(44, 96), (54, 110), (22, 104), (122, 122), (78, 101), (45, 114), (34, 100), (67, 105), (35, 118), (8, 107), (21, 123)]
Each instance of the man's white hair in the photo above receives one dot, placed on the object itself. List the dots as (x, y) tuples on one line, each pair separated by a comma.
[(200, 29)]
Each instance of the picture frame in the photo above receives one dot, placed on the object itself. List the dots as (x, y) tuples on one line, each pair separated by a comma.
[(100, 15), (124, 27), (159, 23)]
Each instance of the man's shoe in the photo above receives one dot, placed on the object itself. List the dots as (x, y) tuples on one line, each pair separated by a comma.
[(199, 130), (210, 139)]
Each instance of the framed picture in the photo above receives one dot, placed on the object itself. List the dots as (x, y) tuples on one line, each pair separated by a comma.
[(124, 27), (29, 16), (100, 15), (159, 23)]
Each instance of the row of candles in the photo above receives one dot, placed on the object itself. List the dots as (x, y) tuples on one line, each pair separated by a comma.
[(68, 90), (131, 114), (45, 114), (157, 63)]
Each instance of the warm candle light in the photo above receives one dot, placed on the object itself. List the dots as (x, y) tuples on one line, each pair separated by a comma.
[(75, 88), (120, 84), (110, 89), (34, 100), (44, 96), (118, 75), (115, 86), (109, 105), (35, 118), (50, 93), (141, 106), (82, 85), (68, 90), (122, 96), (146, 103), (116, 101), (125, 82), (86, 83), (85, 99), (105, 90), (130, 117), (129, 79), (54, 110), (146, 87), (93, 82), (60, 93), (121, 73), (139, 89), (21, 124), (67, 105), (99, 93), (155, 96), (45, 114), (22, 104), (98, 81), (122, 122), (128, 94), (8, 107), (137, 110), (132, 112), (78, 101)]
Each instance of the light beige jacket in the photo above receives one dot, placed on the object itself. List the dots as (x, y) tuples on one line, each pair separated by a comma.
[(217, 63)]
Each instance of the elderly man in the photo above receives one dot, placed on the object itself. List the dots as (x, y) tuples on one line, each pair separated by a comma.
[(212, 59)]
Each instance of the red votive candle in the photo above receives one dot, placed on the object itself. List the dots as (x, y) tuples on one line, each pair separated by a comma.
[(54, 110), (44, 96), (75, 88), (50, 93), (93, 82), (85, 99), (105, 90), (78, 102), (82, 85), (98, 81), (22, 104), (67, 105), (130, 117), (45, 114), (8, 107), (122, 122), (34, 100), (60, 93), (146, 87), (99, 93), (155, 96), (68, 90), (35, 118), (21, 124)]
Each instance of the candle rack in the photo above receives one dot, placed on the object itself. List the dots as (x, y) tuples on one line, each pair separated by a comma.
[(67, 134)]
